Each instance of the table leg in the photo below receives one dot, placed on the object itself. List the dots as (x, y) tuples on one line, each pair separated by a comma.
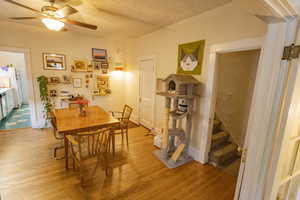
[(66, 152), (114, 144)]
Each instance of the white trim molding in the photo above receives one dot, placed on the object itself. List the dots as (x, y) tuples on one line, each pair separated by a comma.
[(209, 98)]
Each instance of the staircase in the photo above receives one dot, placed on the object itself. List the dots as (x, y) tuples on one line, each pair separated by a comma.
[(223, 150)]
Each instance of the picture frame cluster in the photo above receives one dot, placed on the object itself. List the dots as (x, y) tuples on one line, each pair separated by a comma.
[(99, 62), (96, 78)]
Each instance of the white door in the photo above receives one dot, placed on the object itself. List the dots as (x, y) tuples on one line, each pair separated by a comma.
[(147, 92), (286, 184), (261, 178)]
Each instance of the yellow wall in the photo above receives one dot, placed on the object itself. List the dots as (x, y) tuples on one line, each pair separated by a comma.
[(226, 23)]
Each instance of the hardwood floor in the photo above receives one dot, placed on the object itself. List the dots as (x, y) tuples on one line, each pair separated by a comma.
[(28, 171)]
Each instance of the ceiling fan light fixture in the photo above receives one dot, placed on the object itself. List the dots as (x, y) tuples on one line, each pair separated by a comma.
[(53, 24)]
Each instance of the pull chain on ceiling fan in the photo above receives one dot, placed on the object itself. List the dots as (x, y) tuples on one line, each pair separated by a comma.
[(52, 17)]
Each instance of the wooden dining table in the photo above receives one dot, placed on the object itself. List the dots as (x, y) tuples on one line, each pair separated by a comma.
[(69, 122)]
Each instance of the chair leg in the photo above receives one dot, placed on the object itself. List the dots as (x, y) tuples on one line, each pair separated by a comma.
[(55, 153), (113, 144), (109, 143), (122, 137), (127, 136)]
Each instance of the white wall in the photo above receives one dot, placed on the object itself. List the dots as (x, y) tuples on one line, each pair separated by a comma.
[(235, 85), (226, 23), (18, 61), (73, 46)]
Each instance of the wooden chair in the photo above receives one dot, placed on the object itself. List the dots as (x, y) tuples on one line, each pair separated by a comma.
[(56, 135), (122, 127), (89, 150)]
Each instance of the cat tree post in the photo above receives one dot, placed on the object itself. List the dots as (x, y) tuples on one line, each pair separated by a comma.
[(174, 126), (165, 139)]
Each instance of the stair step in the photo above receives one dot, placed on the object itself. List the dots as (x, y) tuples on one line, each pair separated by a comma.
[(223, 154), (216, 122), (218, 139), (220, 135), (217, 126)]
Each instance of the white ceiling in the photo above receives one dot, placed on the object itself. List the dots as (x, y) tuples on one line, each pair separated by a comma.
[(129, 18)]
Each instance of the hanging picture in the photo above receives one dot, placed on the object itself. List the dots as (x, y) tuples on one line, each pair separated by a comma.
[(190, 57), (77, 83), (90, 68), (104, 65), (97, 65), (80, 65), (99, 55), (54, 61), (102, 84), (66, 79)]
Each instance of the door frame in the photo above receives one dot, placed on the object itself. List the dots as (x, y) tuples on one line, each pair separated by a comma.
[(140, 59), (31, 96), (210, 100)]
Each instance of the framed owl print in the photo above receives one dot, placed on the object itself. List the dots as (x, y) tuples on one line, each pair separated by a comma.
[(190, 57)]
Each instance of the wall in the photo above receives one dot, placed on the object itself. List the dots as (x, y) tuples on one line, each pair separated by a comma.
[(235, 84), (73, 45), (223, 24), (18, 61)]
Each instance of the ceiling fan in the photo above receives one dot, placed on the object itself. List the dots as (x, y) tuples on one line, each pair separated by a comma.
[(52, 17)]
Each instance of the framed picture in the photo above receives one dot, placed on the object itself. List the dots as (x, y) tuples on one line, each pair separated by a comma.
[(104, 71), (66, 79), (77, 83), (90, 68), (80, 65), (54, 80), (97, 65), (99, 55), (54, 61), (95, 92), (104, 65), (190, 57)]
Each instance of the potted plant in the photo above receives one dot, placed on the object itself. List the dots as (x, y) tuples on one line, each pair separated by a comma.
[(43, 87)]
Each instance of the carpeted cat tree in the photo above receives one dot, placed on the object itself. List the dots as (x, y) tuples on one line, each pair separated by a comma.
[(179, 92)]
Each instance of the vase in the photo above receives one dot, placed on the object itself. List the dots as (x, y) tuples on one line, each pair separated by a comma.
[(82, 112)]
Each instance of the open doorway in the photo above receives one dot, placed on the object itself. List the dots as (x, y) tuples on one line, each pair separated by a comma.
[(234, 86), (14, 99)]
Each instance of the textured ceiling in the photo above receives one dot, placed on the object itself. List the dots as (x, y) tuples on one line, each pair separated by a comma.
[(129, 18)]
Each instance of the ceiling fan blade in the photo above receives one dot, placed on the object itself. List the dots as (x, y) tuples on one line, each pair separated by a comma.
[(23, 6), (85, 25), (22, 18), (66, 11)]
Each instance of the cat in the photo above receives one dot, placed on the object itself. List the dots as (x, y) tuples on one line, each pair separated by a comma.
[(189, 61)]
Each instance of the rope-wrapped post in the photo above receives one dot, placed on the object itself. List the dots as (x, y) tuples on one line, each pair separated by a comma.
[(165, 139)]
